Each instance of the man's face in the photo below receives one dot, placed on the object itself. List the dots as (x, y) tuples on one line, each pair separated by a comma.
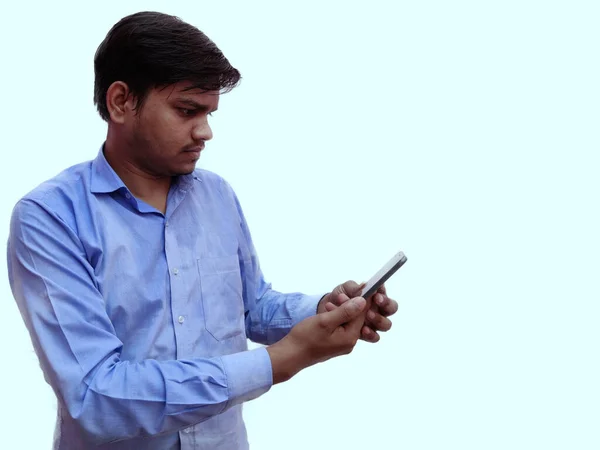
[(169, 131)]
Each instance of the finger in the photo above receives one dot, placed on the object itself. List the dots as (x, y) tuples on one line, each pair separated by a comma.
[(382, 289), (329, 306), (355, 325), (380, 299), (378, 322), (342, 298), (368, 335), (389, 308), (345, 313), (338, 298)]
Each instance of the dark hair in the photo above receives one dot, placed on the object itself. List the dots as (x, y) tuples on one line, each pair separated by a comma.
[(149, 50)]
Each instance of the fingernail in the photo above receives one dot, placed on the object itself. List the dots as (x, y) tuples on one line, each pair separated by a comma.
[(379, 299), (371, 315)]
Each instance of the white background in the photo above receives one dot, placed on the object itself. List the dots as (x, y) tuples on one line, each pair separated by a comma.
[(464, 133)]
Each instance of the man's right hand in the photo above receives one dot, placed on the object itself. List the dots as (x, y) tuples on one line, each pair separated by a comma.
[(317, 339)]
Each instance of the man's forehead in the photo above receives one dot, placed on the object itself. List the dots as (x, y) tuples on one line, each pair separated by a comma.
[(190, 90)]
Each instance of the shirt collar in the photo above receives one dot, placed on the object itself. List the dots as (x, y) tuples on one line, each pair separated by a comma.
[(185, 182), (104, 178)]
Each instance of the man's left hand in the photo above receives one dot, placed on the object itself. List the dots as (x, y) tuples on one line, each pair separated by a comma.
[(381, 307)]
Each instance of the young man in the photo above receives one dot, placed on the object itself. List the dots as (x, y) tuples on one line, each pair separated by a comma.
[(136, 275)]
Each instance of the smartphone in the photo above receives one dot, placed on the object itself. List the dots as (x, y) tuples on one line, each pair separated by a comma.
[(383, 274)]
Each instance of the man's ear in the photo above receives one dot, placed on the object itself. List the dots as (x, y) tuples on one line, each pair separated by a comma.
[(119, 101)]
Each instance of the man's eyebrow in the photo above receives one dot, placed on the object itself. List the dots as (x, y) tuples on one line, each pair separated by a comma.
[(193, 104)]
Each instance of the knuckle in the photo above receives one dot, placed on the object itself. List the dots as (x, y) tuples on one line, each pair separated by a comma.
[(349, 345), (321, 323)]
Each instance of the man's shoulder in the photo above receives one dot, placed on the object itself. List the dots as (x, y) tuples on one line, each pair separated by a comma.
[(68, 187), (213, 181), (208, 176), (218, 187)]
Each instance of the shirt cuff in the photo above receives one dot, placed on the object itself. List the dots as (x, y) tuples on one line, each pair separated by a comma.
[(249, 374), (305, 308)]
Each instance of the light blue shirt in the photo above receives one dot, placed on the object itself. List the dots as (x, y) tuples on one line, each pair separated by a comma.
[(140, 320)]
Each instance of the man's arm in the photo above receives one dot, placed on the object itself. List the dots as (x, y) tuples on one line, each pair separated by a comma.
[(270, 314), (79, 352)]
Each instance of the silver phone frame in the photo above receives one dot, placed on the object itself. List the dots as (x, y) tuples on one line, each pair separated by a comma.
[(383, 274)]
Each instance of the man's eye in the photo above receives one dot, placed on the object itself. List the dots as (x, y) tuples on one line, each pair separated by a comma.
[(186, 112)]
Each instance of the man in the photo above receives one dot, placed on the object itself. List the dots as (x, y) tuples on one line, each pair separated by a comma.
[(136, 275)]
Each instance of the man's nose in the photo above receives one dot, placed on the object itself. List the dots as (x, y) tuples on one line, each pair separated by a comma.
[(202, 131)]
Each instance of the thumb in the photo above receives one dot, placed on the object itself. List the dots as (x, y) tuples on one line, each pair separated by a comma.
[(346, 312), (352, 288)]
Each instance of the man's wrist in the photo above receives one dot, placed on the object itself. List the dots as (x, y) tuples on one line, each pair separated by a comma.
[(285, 360)]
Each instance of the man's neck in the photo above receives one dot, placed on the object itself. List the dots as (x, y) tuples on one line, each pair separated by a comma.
[(147, 187)]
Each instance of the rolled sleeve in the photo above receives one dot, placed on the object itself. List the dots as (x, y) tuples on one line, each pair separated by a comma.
[(305, 307)]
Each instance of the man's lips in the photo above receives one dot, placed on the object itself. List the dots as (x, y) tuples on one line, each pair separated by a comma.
[(194, 151)]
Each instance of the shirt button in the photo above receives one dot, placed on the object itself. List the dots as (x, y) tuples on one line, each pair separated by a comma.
[(127, 195), (181, 319), (175, 271), (166, 224)]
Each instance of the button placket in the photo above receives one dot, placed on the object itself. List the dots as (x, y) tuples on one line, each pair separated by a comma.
[(177, 282)]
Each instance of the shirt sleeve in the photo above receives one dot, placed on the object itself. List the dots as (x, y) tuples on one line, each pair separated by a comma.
[(270, 314), (57, 295)]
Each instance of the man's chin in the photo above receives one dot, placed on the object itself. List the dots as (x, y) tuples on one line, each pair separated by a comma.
[(188, 169), (179, 167), (182, 173)]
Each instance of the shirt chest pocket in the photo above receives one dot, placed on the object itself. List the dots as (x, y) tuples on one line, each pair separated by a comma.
[(222, 300)]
